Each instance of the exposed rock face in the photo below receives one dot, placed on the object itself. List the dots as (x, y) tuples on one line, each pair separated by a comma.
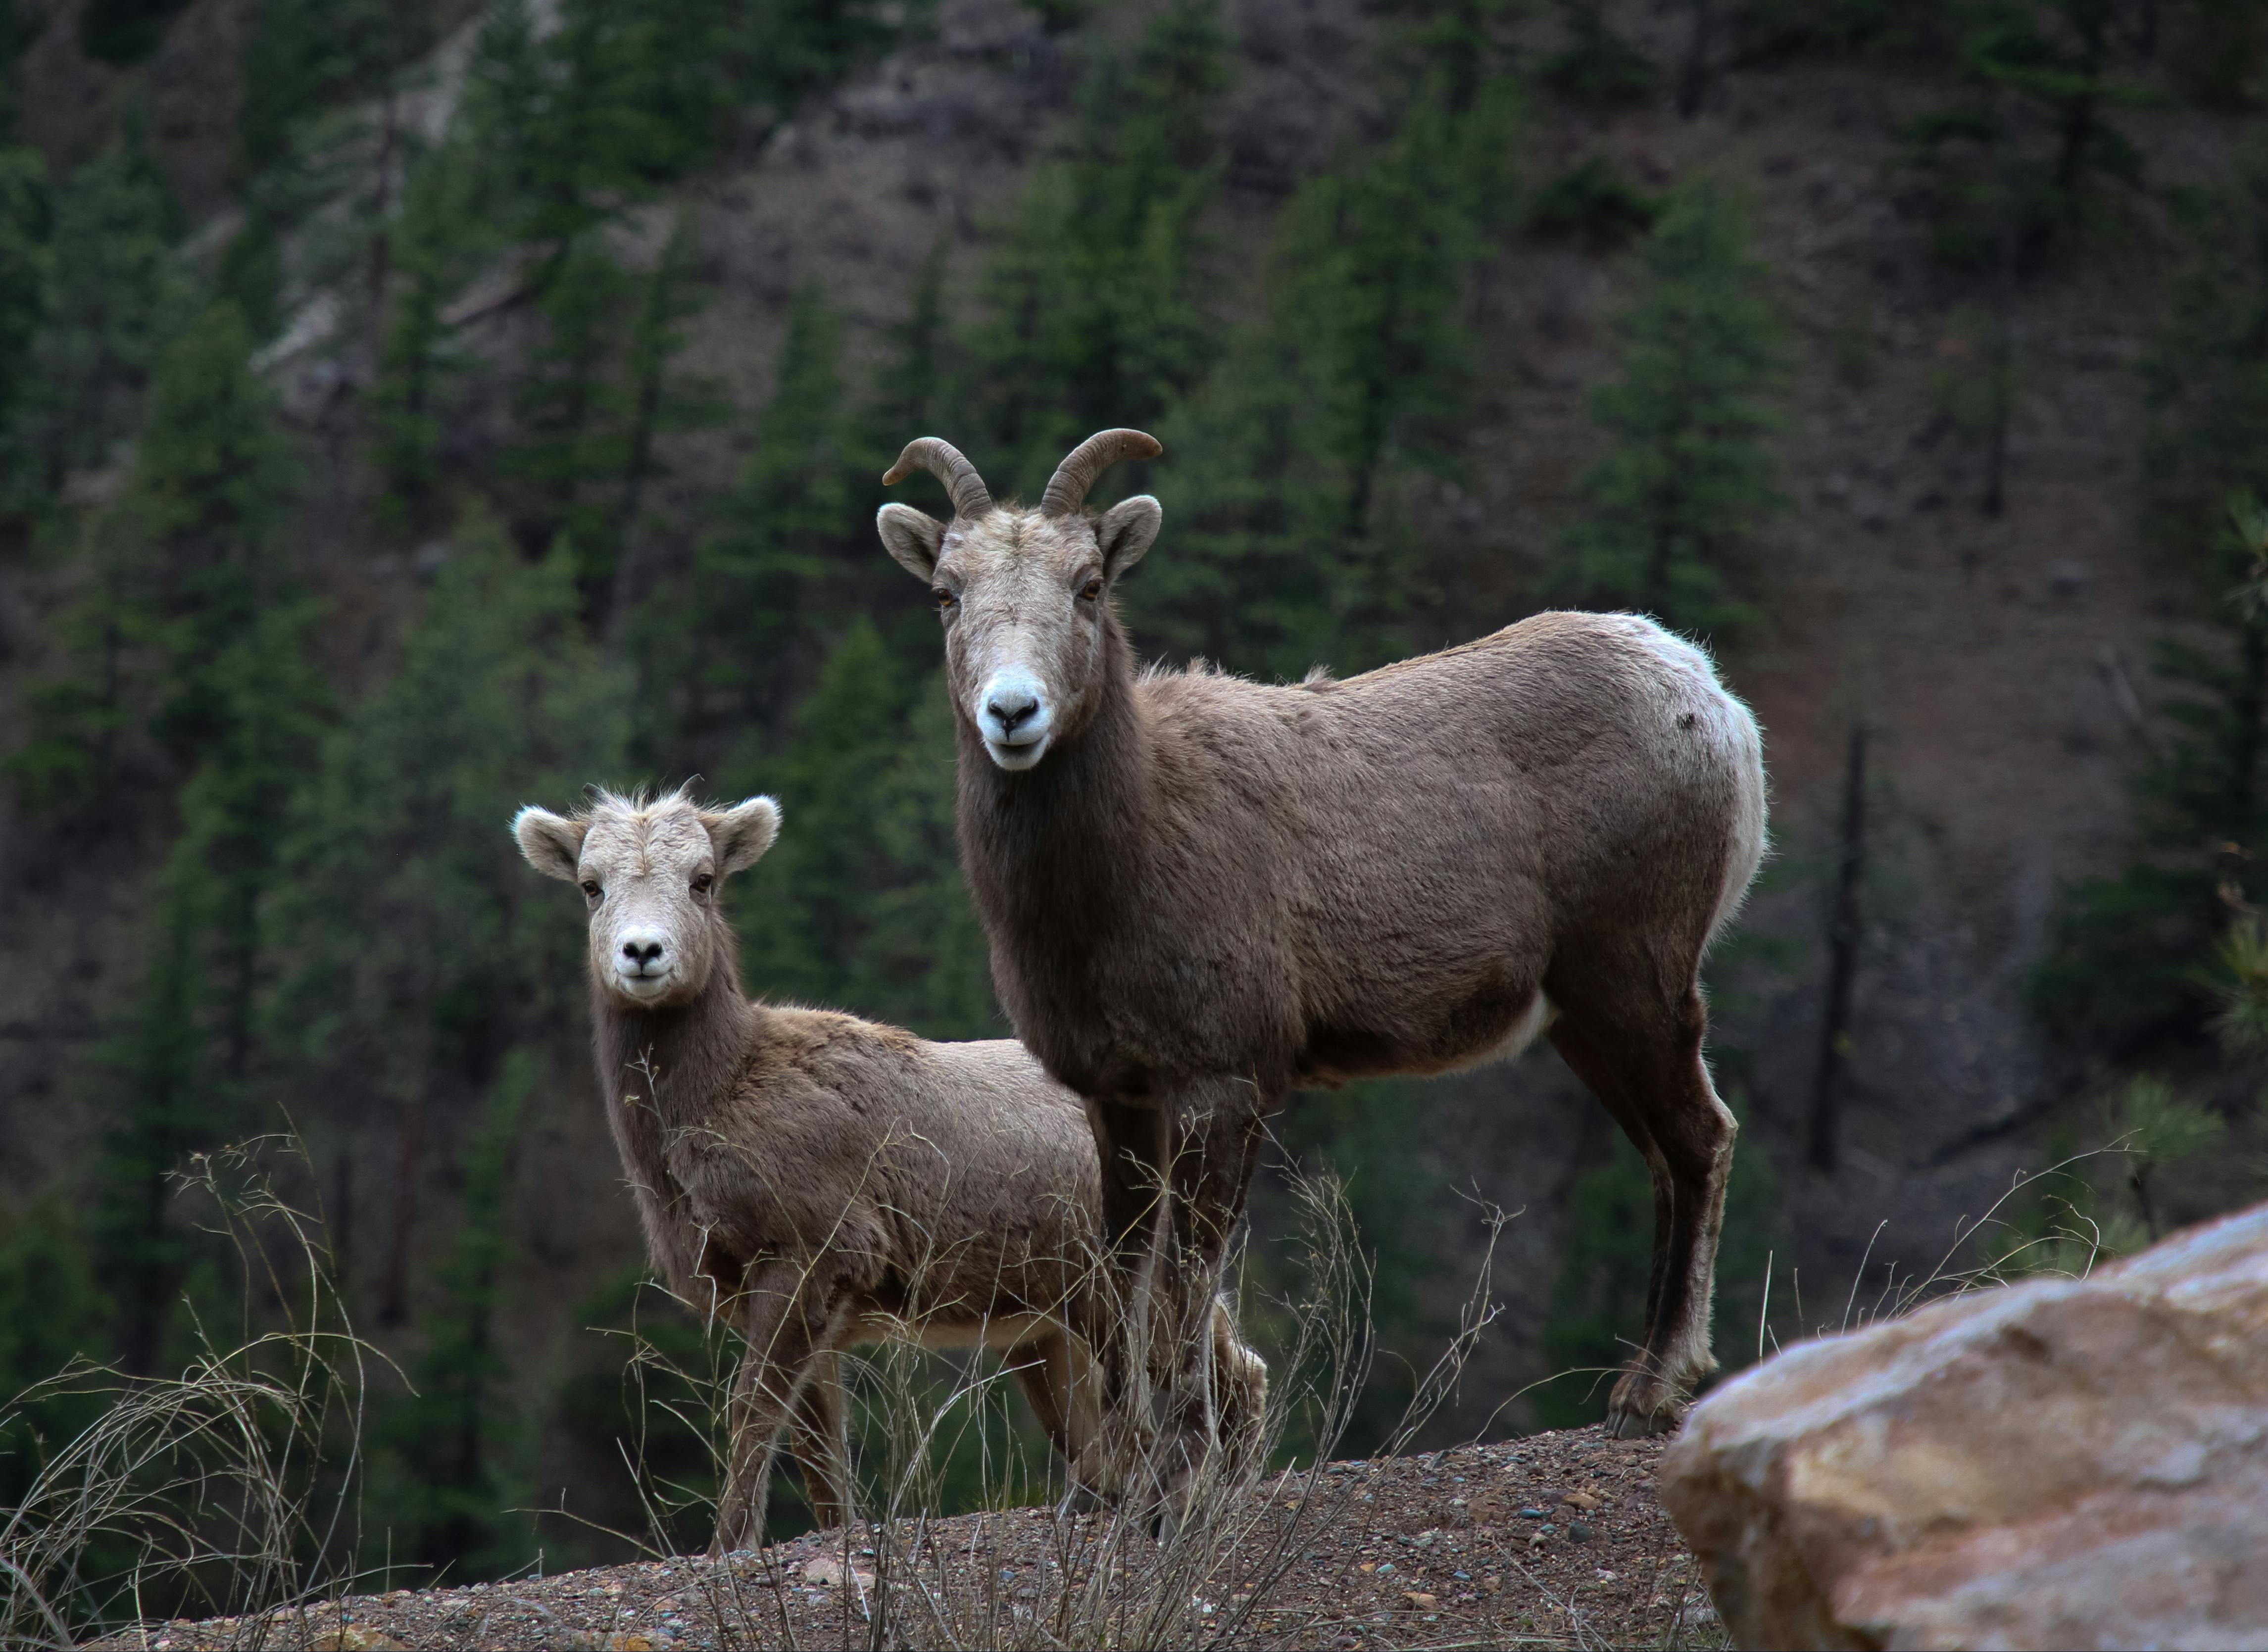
[(2058, 1464)]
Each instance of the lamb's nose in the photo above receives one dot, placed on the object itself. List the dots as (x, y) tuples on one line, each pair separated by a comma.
[(1011, 707), (641, 954)]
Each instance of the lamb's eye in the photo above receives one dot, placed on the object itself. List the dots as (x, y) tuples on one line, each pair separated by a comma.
[(947, 602), (1091, 589), (703, 883), (590, 890)]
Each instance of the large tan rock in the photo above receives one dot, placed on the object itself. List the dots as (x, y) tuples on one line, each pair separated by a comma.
[(2054, 1463)]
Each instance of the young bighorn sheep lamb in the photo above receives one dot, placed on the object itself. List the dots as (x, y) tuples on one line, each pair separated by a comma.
[(827, 1180), (1203, 892)]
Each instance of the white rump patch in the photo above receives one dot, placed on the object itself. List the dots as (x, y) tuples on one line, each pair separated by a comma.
[(1541, 1013)]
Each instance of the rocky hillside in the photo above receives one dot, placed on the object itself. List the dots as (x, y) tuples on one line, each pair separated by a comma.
[(653, 364)]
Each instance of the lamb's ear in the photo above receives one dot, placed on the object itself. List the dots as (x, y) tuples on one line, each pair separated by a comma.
[(913, 537), (742, 832), (1128, 529), (552, 843)]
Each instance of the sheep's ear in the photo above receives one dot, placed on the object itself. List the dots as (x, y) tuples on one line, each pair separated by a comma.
[(913, 537), (742, 832), (1128, 529), (552, 843)]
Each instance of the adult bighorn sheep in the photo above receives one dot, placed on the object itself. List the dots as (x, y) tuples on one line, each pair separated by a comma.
[(828, 1180), (1203, 892)]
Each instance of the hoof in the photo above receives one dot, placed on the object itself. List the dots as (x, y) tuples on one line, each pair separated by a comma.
[(1641, 1425), (1084, 1499), (1641, 1407)]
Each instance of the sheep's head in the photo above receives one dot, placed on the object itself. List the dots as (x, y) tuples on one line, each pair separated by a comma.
[(1025, 595), (652, 874)]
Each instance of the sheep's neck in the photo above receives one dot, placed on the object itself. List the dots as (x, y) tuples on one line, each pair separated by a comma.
[(677, 1061), (1055, 854)]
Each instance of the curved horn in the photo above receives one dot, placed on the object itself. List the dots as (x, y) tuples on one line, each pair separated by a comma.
[(1067, 487), (942, 460)]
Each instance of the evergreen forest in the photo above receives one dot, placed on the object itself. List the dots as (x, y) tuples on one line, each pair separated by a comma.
[(411, 409)]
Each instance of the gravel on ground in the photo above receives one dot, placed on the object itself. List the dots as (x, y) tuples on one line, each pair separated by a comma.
[(1552, 1540)]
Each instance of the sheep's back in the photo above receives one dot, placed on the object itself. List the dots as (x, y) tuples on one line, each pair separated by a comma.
[(951, 1178), (1386, 866)]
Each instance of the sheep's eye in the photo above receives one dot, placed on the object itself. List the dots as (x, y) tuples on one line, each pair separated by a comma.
[(945, 599), (590, 890), (1091, 589), (703, 883)]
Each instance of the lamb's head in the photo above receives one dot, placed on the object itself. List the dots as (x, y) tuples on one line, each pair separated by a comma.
[(1025, 595), (652, 874)]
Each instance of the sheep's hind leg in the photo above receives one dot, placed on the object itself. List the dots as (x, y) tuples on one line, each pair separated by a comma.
[(1650, 1076)]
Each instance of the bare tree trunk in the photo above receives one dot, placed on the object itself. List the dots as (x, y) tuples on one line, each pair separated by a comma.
[(2002, 368), (381, 242), (1843, 955), (341, 1223), (1693, 83), (2002, 364), (639, 464), (394, 1291)]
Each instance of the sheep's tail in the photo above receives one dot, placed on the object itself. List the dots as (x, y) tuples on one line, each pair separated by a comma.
[(1749, 838)]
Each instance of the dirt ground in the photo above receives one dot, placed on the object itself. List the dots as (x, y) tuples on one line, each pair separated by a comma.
[(1551, 1540)]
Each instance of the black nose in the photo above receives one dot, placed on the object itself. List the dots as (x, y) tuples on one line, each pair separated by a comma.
[(641, 956), (1010, 709)]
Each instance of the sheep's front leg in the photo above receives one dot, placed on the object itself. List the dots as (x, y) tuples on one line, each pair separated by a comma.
[(1217, 1136), (1175, 1183), (783, 1333), (1135, 1144)]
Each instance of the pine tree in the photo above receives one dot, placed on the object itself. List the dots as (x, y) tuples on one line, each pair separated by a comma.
[(614, 100), (2126, 945), (1668, 509), (1354, 381), (861, 904), (792, 530), (436, 243), (52, 1311), (196, 648), (2017, 158), (302, 56), (1597, 66), (113, 299), (415, 954), (25, 225), (561, 400), (656, 401), (456, 1437), (2205, 374), (2128, 948), (1091, 314)]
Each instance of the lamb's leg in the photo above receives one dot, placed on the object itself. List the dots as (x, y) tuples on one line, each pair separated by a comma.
[(1240, 1382), (1050, 1376), (1650, 1069), (782, 1339), (820, 1437)]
